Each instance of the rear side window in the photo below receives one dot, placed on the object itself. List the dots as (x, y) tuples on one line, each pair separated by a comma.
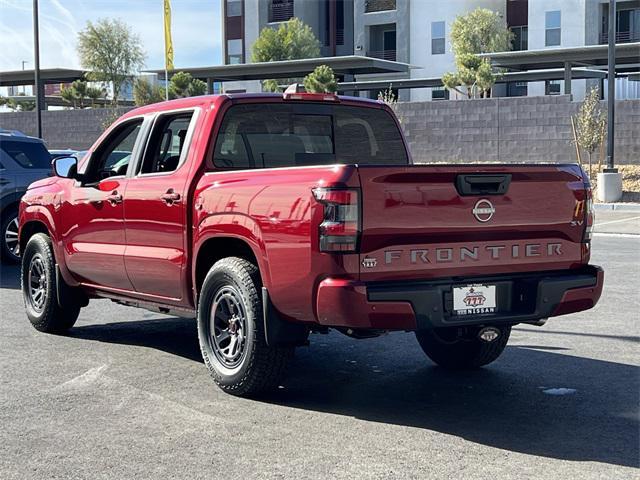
[(166, 143), (27, 154), (269, 136)]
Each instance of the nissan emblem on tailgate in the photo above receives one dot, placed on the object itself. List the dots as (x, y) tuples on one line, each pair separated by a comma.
[(483, 210)]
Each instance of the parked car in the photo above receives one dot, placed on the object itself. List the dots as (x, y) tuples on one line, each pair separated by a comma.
[(23, 160), (57, 153), (268, 217)]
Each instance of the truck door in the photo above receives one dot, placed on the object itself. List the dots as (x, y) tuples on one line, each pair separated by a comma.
[(155, 209), (92, 221)]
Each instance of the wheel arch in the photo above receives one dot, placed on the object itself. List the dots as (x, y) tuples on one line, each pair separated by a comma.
[(212, 248), (29, 229)]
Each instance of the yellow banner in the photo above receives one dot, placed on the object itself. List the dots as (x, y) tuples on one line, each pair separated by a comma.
[(168, 42)]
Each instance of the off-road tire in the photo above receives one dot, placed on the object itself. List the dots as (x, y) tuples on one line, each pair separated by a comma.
[(463, 353), (6, 255), (51, 317), (262, 366)]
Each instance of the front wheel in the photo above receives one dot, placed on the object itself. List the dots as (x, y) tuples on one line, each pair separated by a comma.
[(39, 288), (231, 330), (457, 348)]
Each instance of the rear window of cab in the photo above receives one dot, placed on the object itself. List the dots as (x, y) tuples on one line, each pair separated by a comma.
[(291, 135)]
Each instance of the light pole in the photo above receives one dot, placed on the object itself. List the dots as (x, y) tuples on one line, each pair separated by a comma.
[(23, 87), (37, 85), (610, 181), (611, 86)]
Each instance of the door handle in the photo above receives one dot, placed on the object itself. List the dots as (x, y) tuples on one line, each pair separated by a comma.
[(170, 197), (115, 198)]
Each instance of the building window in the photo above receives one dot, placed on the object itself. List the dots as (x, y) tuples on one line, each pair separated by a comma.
[(371, 6), (439, 93), (234, 51), (234, 8), (552, 87), (280, 10), (382, 41), (552, 32), (517, 89), (627, 26), (520, 38), (437, 38)]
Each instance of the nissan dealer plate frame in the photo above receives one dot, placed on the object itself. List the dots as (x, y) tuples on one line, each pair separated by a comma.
[(476, 299)]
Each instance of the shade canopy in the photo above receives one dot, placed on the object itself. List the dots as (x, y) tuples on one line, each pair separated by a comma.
[(347, 65), (47, 75)]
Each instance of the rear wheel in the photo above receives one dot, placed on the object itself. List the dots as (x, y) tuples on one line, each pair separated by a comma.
[(231, 330), (9, 250), (39, 288), (460, 348)]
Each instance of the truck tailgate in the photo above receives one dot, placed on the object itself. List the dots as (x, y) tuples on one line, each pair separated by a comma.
[(422, 222)]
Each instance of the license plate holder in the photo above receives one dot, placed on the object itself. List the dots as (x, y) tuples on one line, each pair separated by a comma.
[(474, 299)]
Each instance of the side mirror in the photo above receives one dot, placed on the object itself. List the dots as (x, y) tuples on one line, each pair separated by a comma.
[(66, 167)]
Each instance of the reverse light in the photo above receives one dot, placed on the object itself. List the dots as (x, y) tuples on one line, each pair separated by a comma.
[(339, 231)]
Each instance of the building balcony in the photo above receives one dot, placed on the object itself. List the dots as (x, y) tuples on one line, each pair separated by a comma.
[(371, 6), (383, 54), (280, 10), (621, 37)]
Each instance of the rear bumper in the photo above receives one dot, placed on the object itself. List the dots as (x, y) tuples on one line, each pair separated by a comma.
[(522, 297)]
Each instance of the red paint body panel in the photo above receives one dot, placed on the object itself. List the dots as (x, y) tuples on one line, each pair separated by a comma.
[(275, 210), (414, 226)]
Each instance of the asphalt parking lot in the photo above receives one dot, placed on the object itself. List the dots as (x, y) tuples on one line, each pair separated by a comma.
[(126, 395)]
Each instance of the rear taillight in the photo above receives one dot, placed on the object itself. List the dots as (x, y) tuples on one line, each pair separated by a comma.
[(339, 231), (589, 216)]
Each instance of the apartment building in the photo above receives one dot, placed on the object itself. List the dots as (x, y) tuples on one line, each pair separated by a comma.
[(418, 32)]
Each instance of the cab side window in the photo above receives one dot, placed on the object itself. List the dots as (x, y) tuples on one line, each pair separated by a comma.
[(113, 156), (166, 143)]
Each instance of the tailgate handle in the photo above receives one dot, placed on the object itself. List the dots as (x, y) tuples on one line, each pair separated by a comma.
[(480, 184)]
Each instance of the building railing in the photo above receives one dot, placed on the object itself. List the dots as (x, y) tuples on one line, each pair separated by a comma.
[(340, 36), (371, 6), (280, 10), (383, 54), (621, 37)]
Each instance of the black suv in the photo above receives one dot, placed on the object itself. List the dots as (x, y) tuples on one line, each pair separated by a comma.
[(23, 160)]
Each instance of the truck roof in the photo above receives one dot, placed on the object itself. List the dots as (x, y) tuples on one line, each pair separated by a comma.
[(206, 100)]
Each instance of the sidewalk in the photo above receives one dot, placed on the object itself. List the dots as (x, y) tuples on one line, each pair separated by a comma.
[(618, 207)]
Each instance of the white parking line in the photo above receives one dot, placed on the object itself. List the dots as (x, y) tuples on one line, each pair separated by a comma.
[(617, 221), (618, 235)]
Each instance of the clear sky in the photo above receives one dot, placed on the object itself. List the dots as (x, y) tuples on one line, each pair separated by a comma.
[(195, 25)]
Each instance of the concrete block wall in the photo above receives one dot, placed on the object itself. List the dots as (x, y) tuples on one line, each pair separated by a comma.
[(523, 129), (75, 129)]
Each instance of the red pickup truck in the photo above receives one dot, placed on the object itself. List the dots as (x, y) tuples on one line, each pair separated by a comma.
[(269, 217)]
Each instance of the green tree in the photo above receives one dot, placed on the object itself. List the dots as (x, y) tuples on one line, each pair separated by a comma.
[(182, 84), (95, 93), (480, 31), (145, 93), (590, 124), (112, 53), (321, 80), (75, 94), (290, 41), (19, 105)]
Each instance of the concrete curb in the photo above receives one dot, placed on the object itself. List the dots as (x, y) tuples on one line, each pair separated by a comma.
[(618, 207)]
